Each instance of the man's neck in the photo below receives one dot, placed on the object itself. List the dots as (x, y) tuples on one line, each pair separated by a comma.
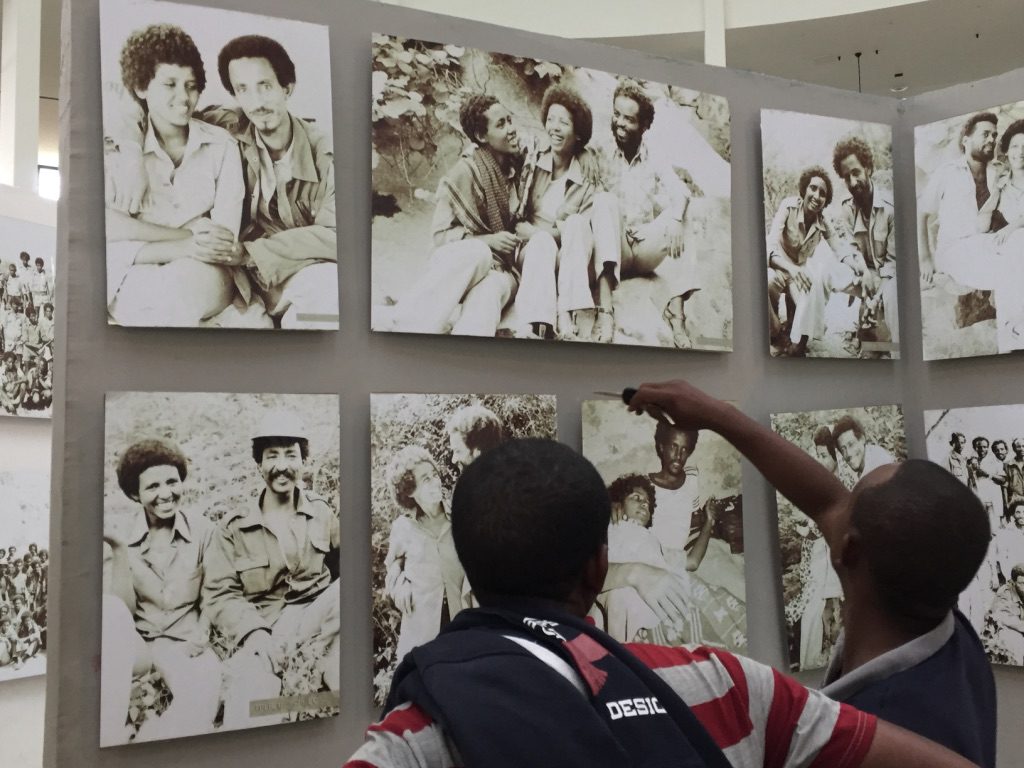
[(869, 631), (667, 480), (978, 167), (278, 141), (866, 202), (277, 503), (629, 151)]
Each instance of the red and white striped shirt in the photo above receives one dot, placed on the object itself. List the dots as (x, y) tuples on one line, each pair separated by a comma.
[(757, 716)]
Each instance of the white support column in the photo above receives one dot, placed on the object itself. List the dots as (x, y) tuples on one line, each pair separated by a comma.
[(19, 93), (714, 32)]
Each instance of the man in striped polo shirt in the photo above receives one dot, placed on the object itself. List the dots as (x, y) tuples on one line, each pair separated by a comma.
[(525, 681)]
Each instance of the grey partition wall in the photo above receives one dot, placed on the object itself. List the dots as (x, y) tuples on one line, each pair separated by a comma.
[(94, 358)]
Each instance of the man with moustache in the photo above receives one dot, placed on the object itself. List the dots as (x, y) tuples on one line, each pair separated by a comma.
[(268, 585), (152, 616), (868, 214), (948, 211), (638, 222)]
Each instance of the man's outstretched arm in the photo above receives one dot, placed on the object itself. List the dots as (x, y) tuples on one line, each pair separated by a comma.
[(795, 474)]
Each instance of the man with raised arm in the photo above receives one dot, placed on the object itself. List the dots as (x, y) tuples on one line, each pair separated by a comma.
[(905, 542)]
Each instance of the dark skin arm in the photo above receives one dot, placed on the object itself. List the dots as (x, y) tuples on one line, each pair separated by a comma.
[(894, 747)]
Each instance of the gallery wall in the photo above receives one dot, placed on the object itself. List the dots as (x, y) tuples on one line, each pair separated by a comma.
[(96, 358)]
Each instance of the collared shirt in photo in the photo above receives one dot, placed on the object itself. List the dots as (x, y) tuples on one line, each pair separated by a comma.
[(647, 186), (876, 237)]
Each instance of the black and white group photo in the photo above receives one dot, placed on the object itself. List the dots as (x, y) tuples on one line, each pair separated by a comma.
[(984, 449), (514, 197), (26, 318), (850, 442), (219, 169), (677, 525), (970, 232), (24, 568), (419, 446), (221, 601), (831, 236)]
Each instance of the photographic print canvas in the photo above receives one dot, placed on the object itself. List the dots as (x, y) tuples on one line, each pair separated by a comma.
[(831, 243), (419, 445), (24, 561), (970, 213), (26, 318), (850, 442), (677, 513), (984, 448), (218, 168), (523, 198), (221, 559)]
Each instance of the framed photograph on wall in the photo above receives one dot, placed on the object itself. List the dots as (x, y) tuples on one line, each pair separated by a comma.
[(218, 167), (970, 224), (850, 442), (419, 445), (221, 557), (531, 199), (27, 322), (830, 225), (677, 511), (984, 448)]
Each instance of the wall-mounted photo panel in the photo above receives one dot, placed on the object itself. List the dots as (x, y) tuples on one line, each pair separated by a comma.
[(830, 236), (419, 445), (677, 511), (219, 169), (850, 442), (24, 561), (970, 215), (984, 448), (220, 574), (26, 318), (515, 197)]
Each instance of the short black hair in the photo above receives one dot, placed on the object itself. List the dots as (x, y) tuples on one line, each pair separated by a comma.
[(24, 255), (526, 518), (852, 145), (630, 89), (847, 423), (810, 173), (478, 426), (998, 442), (143, 455), (952, 437), (39, 261), (1017, 571), (623, 485), (905, 523), (578, 109), (473, 114), (256, 47), (260, 444), (1017, 126), (147, 48), (823, 436), (664, 431), (975, 441), (972, 123)]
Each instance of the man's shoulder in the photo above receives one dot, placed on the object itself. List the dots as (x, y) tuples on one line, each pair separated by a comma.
[(211, 133), (319, 140), (790, 203)]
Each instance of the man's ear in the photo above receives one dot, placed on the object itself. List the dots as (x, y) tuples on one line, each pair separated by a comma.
[(851, 551), (288, 90)]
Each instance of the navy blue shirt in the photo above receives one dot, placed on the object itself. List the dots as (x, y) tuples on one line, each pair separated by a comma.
[(939, 685)]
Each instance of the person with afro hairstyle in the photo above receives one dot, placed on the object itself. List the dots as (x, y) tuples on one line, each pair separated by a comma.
[(555, 222), (906, 654), (152, 608), (171, 263), (807, 261), (472, 274), (869, 217)]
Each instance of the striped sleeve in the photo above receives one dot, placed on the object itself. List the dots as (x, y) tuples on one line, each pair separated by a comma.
[(758, 716), (405, 738)]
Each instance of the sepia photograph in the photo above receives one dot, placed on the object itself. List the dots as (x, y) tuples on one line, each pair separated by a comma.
[(677, 514), (970, 232), (24, 566), (27, 318), (221, 600), (984, 449), (850, 442), (218, 164), (831, 237), (515, 197), (419, 445)]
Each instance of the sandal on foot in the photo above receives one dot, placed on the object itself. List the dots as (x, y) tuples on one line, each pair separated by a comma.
[(680, 336), (603, 331), (568, 328)]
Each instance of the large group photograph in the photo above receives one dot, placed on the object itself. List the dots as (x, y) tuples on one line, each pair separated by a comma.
[(850, 443), (27, 321), (677, 527), (24, 572), (830, 236), (220, 563), (219, 169), (419, 446), (984, 449), (970, 232), (515, 197)]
